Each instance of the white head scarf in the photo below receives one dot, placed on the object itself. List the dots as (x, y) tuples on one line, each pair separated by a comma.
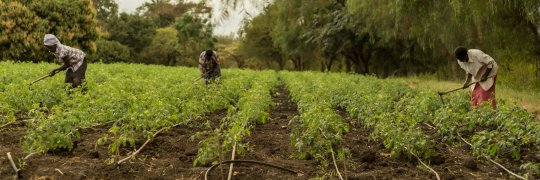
[(50, 40)]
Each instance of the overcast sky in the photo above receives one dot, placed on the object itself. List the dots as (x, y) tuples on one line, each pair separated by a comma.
[(225, 27)]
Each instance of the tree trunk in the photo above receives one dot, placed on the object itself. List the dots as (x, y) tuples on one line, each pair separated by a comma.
[(347, 65), (329, 64), (452, 63), (295, 63), (357, 60), (239, 61), (358, 68), (538, 66), (353, 61), (365, 57), (281, 63), (301, 63), (298, 63)]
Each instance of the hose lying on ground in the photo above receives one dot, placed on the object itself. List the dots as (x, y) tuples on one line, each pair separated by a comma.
[(252, 162)]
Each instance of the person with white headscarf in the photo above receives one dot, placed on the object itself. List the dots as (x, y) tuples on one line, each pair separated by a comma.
[(73, 60)]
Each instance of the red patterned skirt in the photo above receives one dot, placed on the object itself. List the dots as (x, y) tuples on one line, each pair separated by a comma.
[(480, 96)]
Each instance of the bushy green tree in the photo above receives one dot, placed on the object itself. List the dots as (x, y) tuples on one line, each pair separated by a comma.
[(164, 12), (258, 43), (132, 30), (111, 51), (162, 49), (20, 33), (25, 22), (73, 22), (288, 31), (194, 35), (105, 9), (507, 30)]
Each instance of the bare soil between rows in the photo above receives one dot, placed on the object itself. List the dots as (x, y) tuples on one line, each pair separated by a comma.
[(171, 154)]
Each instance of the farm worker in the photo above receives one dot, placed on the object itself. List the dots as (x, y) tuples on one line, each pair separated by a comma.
[(73, 60), (209, 66), (480, 68)]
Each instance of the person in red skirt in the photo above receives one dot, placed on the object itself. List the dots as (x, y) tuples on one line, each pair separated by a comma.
[(480, 68)]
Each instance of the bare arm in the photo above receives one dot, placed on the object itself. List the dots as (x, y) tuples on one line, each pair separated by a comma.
[(488, 70), (488, 64), (467, 81), (61, 68), (202, 70), (65, 66)]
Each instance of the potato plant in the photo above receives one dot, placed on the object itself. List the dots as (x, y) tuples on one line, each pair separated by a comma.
[(252, 108)]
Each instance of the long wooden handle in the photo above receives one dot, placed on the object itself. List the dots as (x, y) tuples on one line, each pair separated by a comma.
[(41, 78), (470, 84), (197, 79), (200, 77)]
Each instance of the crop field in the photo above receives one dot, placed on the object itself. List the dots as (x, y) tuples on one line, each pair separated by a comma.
[(155, 122)]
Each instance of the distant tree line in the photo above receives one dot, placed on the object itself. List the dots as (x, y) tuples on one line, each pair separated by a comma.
[(159, 32), (383, 37), (396, 37)]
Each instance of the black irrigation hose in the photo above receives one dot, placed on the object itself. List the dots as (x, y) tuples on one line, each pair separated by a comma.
[(247, 161)]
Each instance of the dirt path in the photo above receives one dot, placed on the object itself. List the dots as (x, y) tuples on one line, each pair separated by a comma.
[(270, 143)]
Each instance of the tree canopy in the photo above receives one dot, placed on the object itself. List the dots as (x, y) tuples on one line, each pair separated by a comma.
[(384, 37), (24, 23), (398, 38)]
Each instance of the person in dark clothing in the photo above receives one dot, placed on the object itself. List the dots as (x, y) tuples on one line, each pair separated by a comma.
[(73, 60), (209, 66)]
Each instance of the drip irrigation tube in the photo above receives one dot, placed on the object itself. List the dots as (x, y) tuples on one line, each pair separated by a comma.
[(252, 162)]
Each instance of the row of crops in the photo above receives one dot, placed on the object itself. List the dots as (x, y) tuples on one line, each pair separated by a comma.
[(137, 101), (397, 114)]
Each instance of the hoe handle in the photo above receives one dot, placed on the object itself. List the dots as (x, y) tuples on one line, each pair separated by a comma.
[(41, 78), (443, 93)]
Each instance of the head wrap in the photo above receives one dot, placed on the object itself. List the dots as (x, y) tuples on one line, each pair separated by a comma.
[(50, 40)]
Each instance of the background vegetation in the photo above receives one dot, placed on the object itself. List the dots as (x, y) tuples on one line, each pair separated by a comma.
[(387, 38)]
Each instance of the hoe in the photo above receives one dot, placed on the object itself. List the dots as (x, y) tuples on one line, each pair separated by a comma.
[(441, 94), (41, 78)]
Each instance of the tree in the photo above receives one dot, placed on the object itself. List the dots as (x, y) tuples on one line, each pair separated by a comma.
[(132, 30), (111, 51), (333, 32), (258, 43), (288, 31), (20, 33), (106, 9), (163, 48), (508, 30), (194, 35), (229, 52), (164, 13), (73, 22)]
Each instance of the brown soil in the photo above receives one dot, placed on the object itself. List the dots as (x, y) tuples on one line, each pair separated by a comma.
[(270, 143), (170, 155), (370, 160)]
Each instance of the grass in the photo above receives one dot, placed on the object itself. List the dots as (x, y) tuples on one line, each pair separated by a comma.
[(529, 100)]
